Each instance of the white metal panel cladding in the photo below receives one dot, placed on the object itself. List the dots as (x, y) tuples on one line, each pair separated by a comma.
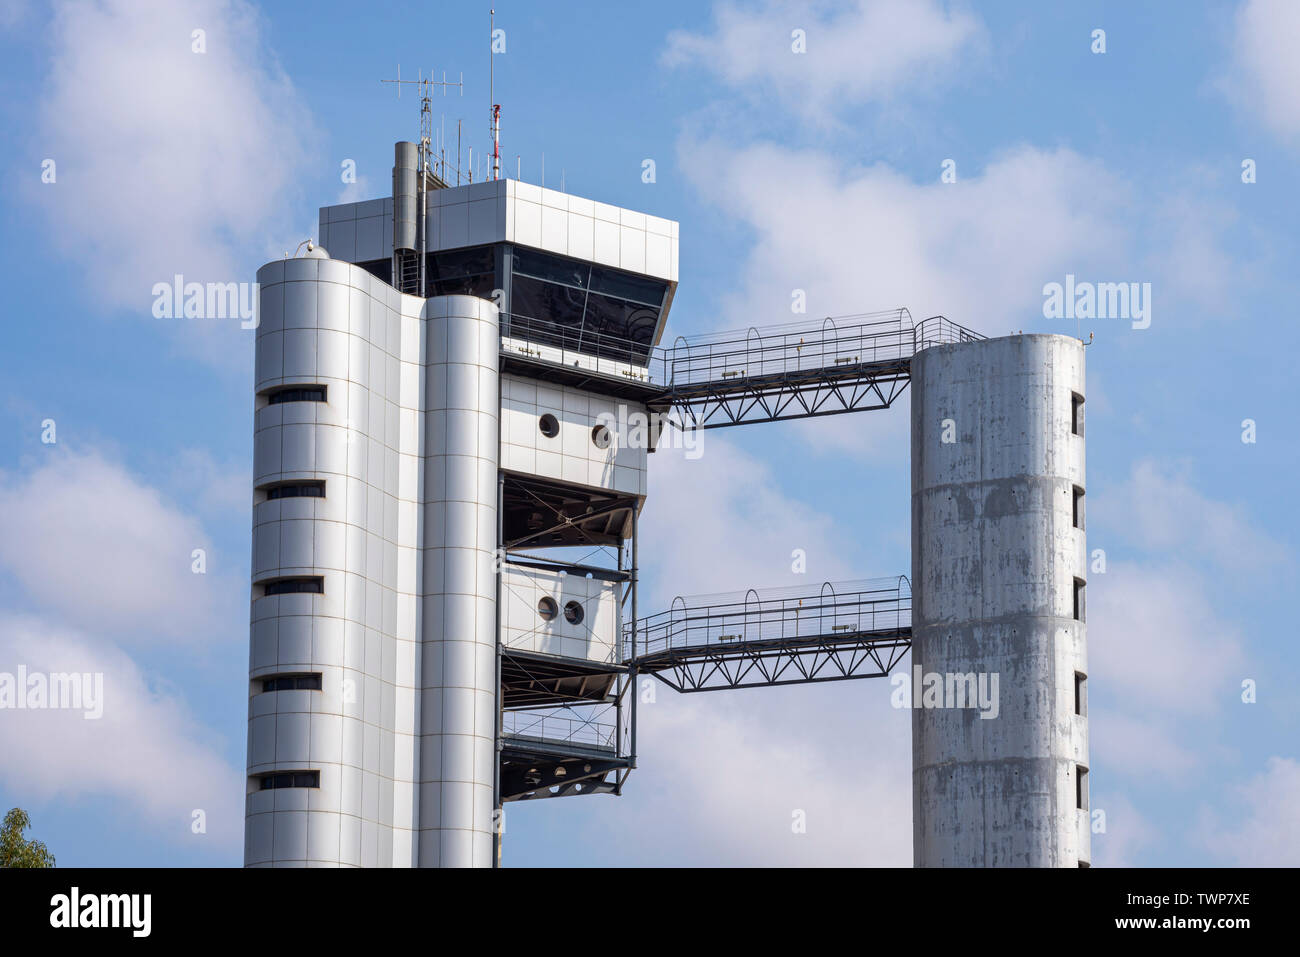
[(572, 454), (508, 210), (458, 631), (331, 324), (592, 637)]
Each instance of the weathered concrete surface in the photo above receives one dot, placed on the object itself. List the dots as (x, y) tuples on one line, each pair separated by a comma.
[(995, 555)]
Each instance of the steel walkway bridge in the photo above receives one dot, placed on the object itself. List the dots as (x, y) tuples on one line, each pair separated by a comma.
[(782, 636), (823, 367), (779, 636), (570, 728)]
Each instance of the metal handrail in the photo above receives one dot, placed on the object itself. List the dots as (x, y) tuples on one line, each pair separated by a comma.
[(939, 330), (780, 350), (565, 728), (577, 344), (727, 621), (832, 343)]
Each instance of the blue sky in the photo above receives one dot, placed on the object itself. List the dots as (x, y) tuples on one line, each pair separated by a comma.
[(817, 171)]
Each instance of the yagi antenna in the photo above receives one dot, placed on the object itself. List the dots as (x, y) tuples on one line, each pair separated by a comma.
[(426, 86)]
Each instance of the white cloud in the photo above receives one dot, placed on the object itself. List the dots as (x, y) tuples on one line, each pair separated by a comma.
[(1186, 262), (1263, 828), (222, 489), (727, 503), (145, 749), (1139, 746), (726, 772), (1156, 641), (168, 161), (881, 437), (1159, 511), (355, 192), (1265, 73), (1127, 833), (95, 545), (861, 239), (866, 51)]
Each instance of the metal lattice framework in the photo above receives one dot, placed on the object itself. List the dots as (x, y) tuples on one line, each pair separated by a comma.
[(825, 367), (781, 636), (845, 364), (551, 742), (564, 751)]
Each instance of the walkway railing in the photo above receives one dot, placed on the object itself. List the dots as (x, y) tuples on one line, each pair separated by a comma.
[(590, 728), (543, 340), (828, 613), (845, 344), (828, 343)]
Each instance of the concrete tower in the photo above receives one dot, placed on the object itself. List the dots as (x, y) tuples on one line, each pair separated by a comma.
[(999, 567)]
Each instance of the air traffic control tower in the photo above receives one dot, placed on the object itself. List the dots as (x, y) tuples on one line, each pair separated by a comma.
[(448, 477)]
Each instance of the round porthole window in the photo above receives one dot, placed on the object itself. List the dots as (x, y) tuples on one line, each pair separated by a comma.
[(573, 613), (549, 425), (600, 437), (547, 608)]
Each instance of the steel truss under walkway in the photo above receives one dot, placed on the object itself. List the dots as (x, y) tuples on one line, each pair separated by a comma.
[(578, 748), (823, 367), (782, 636), (838, 365)]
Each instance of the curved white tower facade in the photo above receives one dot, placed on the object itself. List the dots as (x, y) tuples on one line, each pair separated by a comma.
[(419, 460), (999, 567), (458, 686), (371, 709)]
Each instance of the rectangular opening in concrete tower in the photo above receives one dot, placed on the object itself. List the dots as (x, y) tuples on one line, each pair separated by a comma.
[(1079, 585), (1080, 694), (1081, 786), (1078, 508), (1076, 414)]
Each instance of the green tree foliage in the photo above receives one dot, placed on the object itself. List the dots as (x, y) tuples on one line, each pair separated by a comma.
[(15, 850)]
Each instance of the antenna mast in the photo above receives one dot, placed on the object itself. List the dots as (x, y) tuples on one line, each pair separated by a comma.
[(426, 179), (496, 107)]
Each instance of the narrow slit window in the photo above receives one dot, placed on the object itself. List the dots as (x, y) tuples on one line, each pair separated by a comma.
[(296, 490), (1076, 413), (1079, 609), (302, 682), (1081, 787), (290, 779), (1078, 508), (1080, 694), (295, 586), (296, 393)]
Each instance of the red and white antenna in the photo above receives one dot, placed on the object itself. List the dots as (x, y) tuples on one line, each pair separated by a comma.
[(496, 141), (496, 107)]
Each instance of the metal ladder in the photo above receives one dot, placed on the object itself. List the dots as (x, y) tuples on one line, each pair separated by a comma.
[(408, 272)]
